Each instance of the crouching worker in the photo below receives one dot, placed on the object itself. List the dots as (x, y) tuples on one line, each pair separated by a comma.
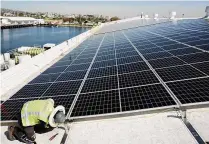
[(36, 116)]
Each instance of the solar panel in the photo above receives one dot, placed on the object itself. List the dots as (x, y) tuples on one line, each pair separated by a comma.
[(182, 51), (62, 63), (106, 53), (179, 72), (191, 91), (120, 71), (100, 84), (166, 62), (74, 75), (34, 90), (137, 78), (78, 67), (132, 67), (204, 67), (81, 61), (125, 54), (63, 88), (85, 56), (173, 46), (55, 70), (145, 97), (151, 50), (105, 57), (97, 103), (44, 78), (157, 55), (130, 59), (204, 47), (100, 72), (197, 57), (104, 63)]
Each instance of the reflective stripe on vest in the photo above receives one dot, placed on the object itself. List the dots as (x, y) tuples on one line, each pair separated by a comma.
[(26, 115)]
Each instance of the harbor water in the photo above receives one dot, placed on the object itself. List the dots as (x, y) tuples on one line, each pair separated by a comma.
[(30, 36)]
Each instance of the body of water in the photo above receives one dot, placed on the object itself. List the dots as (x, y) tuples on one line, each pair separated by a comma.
[(30, 36)]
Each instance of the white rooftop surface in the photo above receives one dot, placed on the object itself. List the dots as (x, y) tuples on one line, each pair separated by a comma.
[(155, 128)]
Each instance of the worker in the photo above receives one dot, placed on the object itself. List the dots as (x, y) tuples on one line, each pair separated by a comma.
[(36, 114)]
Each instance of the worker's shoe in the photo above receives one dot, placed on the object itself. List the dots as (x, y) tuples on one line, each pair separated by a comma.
[(10, 135)]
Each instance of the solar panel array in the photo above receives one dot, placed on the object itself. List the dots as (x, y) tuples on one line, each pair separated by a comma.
[(144, 68), (129, 24)]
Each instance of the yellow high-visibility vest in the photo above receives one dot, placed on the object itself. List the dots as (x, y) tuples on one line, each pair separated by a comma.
[(36, 110)]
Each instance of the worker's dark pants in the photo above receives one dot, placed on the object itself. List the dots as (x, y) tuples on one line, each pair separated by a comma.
[(27, 134)]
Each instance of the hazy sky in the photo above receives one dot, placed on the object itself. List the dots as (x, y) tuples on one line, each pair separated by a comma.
[(117, 8)]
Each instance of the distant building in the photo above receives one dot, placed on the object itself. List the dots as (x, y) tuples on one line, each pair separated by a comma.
[(90, 24), (40, 21), (8, 14), (20, 20)]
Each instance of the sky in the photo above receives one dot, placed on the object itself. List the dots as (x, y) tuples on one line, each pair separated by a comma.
[(123, 9)]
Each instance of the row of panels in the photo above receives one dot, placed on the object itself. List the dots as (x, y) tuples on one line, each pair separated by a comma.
[(135, 98)]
